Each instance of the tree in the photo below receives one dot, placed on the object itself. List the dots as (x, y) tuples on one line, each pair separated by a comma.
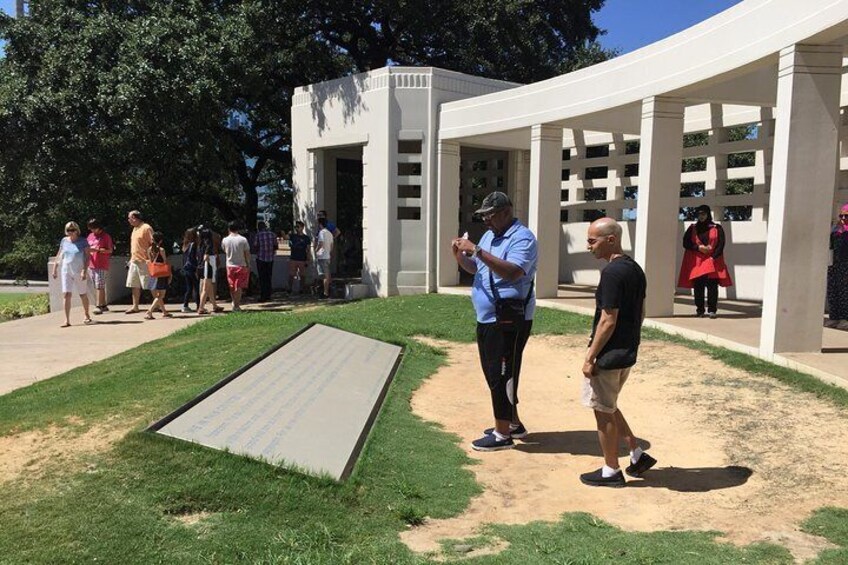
[(183, 108)]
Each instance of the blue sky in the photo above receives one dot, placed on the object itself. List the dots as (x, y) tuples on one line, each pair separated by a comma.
[(630, 24)]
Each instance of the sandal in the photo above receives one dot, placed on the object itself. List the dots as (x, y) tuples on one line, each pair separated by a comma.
[(88, 321), (132, 311), (202, 312), (149, 316), (65, 325), (167, 315)]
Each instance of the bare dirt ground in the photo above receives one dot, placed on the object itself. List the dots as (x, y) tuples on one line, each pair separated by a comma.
[(28, 455), (738, 453)]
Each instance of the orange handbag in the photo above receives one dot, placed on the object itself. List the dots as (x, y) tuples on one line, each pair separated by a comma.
[(158, 270)]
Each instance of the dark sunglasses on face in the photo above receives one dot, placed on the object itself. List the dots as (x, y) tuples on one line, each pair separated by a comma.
[(843, 215)]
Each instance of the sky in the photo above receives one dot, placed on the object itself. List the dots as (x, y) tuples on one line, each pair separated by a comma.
[(630, 24)]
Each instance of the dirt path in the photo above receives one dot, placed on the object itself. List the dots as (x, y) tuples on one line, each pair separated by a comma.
[(737, 453)]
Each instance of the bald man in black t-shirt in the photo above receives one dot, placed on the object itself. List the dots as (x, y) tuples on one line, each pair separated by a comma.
[(616, 334)]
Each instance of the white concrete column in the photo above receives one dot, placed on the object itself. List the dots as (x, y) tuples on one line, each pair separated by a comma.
[(804, 168), (544, 204), (519, 183), (317, 172), (447, 154), (660, 157)]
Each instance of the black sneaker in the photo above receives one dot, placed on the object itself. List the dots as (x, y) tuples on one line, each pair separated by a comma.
[(515, 433), (644, 463), (597, 479), (491, 443)]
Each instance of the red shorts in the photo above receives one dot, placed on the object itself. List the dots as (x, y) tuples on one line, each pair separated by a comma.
[(238, 277)]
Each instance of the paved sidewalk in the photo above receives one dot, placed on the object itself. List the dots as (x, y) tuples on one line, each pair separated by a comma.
[(34, 349)]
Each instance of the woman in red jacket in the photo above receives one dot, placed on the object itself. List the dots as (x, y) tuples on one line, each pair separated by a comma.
[(703, 265)]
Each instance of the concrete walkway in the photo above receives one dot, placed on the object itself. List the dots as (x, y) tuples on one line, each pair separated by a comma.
[(34, 349), (737, 328)]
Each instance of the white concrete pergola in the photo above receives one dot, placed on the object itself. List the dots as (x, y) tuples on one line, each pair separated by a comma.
[(432, 141)]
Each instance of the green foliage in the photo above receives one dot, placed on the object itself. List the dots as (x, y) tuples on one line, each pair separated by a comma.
[(13, 306), (696, 139), (182, 109)]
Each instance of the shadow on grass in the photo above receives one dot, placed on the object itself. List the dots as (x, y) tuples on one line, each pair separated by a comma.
[(696, 479), (579, 442)]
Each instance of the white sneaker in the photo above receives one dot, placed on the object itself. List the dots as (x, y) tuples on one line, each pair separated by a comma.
[(186, 310)]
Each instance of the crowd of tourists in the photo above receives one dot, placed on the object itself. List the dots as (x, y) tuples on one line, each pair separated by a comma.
[(206, 257)]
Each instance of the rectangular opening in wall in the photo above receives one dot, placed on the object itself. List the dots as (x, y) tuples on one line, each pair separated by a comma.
[(746, 159), (694, 164), (500, 182), (739, 186), (408, 213), (692, 189), (411, 191), (594, 151), (563, 216), (631, 170), (596, 173), (499, 164), (479, 183), (696, 139), (479, 165), (595, 194), (631, 192), (592, 215), (409, 169), (628, 214), (409, 146), (563, 195), (631, 147), (566, 154), (744, 131), (688, 214), (566, 174), (738, 213)]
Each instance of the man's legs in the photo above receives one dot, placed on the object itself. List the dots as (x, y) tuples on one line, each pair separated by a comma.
[(327, 280), (264, 269), (608, 437)]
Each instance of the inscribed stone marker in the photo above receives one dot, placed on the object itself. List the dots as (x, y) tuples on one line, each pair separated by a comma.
[(309, 403)]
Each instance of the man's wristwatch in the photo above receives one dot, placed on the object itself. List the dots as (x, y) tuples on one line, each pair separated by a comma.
[(476, 251)]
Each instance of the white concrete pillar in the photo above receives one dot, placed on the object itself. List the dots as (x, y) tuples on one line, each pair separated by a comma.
[(660, 157), (317, 172), (803, 180), (544, 204), (519, 183), (447, 155)]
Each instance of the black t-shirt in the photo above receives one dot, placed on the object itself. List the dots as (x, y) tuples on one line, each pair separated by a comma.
[(299, 243), (622, 287)]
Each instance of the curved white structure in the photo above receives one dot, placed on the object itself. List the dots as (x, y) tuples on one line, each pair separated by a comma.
[(433, 142)]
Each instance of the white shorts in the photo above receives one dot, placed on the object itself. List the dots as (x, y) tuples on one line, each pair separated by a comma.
[(73, 283), (137, 274), (323, 266)]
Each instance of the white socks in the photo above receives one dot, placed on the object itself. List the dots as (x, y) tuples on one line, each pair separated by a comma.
[(499, 436), (607, 472), (635, 455)]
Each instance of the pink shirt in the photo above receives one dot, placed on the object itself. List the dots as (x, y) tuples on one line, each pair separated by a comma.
[(100, 260)]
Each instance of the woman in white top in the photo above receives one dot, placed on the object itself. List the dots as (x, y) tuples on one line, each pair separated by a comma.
[(73, 256)]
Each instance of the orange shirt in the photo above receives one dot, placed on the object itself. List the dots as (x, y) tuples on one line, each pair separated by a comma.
[(140, 241)]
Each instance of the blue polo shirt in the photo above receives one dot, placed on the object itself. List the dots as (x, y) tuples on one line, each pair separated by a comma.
[(518, 246)]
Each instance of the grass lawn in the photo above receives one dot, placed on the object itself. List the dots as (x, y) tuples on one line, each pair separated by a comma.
[(21, 305), (124, 505)]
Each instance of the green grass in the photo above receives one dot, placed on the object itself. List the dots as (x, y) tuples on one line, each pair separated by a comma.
[(123, 505), (15, 305)]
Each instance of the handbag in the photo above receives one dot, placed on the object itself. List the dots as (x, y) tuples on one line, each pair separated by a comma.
[(509, 311), (158, 270)]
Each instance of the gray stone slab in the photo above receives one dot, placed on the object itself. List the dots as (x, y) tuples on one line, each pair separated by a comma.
[(308, 404)]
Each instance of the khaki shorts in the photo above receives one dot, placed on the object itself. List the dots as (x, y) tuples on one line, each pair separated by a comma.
[(137, 274), (601, 391)]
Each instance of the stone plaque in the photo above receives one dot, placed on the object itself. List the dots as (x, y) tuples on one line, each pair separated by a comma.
[(308, 403)]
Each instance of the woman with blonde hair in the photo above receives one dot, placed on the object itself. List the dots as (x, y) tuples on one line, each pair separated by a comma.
[(73, 256)]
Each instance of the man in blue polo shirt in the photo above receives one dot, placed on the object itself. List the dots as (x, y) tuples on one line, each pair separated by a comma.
[(503, 265)]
